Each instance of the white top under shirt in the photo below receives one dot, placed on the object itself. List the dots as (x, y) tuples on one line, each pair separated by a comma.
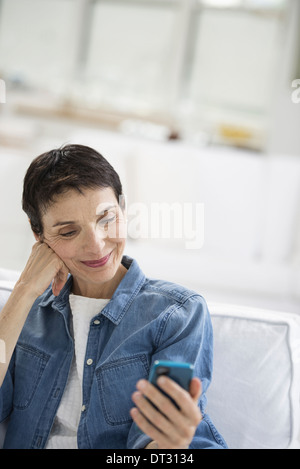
[(64, 431)]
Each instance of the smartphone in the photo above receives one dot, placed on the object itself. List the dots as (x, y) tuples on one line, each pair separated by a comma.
[(180, 372)]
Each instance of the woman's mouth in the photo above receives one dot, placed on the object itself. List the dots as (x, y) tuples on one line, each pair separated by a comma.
[(98, 262)]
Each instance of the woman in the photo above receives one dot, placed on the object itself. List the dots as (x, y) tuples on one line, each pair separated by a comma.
[(79, 351)]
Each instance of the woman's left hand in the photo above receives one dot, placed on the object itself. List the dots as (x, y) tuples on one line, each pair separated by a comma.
[(169, 427)]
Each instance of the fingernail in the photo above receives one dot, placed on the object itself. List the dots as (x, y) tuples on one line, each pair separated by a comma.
[(141, 384), (136, 396), (134, 412), (161, 380)]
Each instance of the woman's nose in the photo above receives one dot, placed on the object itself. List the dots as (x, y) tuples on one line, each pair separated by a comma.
[(95, 241)]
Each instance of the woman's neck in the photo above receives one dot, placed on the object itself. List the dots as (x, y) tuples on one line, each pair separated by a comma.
[(96, 290)]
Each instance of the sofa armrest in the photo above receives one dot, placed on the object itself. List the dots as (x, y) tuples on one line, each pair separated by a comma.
[(254, 396)]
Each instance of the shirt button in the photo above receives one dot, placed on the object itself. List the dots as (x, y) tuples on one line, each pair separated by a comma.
[(83, 408), (89, 361), (96, 322)]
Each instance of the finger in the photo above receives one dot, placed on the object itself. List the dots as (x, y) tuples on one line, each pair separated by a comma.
[(183, 399), (195, 389), (162, 402), (35, 245), (152, 414), (60, 280), (149, 429)]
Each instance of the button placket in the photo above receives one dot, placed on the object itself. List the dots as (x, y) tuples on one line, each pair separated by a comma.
[(89, 364)]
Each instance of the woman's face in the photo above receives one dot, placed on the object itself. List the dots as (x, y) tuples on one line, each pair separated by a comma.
[(88, 232)]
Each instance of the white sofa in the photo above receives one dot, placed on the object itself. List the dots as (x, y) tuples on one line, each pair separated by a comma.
[(255, 393), (254, 397)]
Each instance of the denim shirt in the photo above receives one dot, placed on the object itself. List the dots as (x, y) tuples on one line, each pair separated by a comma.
[(145, 320)]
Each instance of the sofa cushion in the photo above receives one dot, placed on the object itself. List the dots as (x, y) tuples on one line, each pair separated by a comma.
[(254, 397)]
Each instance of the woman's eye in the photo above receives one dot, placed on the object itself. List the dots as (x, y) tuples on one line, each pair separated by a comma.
[(69, 234), (106, 220)]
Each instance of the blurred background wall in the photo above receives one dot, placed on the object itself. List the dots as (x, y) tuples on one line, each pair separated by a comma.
[(195, 103)]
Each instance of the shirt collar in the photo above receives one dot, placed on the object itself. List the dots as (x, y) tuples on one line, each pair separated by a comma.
[(121, 300)]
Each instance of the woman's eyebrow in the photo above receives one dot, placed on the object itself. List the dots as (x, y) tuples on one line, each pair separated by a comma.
[(60, 223), (104, 210)]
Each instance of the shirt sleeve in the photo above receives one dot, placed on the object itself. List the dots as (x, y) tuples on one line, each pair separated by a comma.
[(185, 334), (6, 390), (6, 396)]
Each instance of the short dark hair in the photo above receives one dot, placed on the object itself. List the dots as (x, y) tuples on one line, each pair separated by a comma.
[(52, 173)]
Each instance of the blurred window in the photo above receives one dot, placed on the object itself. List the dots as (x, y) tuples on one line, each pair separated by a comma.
[(130, 52), (234, 59), (249, 4), (36, 41), (204, 64)]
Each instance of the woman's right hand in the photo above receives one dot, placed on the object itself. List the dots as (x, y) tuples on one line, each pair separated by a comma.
[(42, 268)]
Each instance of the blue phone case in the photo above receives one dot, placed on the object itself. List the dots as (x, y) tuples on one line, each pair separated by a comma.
[(180, 372)]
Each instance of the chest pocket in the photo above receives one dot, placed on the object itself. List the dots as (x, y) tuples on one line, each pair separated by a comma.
[(29, 366), (116, 383)]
